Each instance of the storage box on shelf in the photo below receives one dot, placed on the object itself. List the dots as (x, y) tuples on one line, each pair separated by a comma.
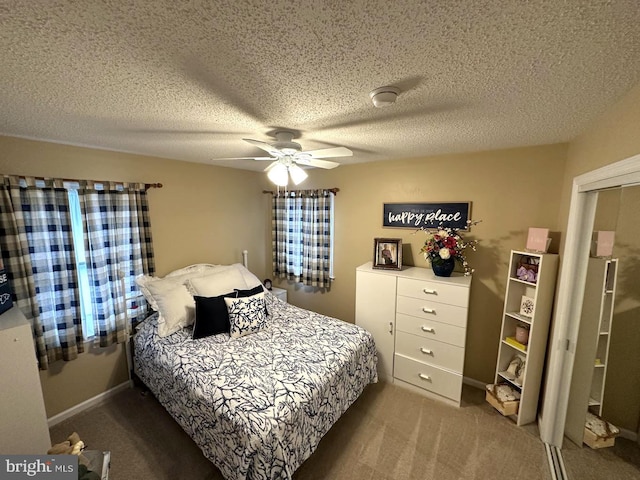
[(592, 440), (528, 302), (505, 406)]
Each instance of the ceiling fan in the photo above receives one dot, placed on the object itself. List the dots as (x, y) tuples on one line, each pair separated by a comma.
[(287, 155)]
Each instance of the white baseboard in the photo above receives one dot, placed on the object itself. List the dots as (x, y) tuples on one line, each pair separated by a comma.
[(628, 434), (473, 382), (70, 412)]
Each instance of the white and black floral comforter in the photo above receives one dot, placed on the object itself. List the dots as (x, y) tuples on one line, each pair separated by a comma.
[(258, 405)]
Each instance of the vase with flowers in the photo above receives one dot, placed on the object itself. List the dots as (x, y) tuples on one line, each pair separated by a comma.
[(444, 247)]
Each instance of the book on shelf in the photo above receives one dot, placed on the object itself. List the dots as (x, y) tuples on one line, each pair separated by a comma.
[(514, 343)]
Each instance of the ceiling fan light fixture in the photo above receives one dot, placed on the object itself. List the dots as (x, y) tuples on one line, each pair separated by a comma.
[(384, 96), (279, 175), (298, 175)]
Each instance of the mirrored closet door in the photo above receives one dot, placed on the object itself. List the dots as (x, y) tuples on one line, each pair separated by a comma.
[(606, 371)]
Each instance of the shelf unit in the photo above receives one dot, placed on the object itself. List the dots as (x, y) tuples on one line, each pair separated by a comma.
[(541, 291), (606, 270), (592, 347)]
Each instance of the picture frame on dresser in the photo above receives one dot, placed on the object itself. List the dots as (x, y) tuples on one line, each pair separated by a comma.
[(387, 253)]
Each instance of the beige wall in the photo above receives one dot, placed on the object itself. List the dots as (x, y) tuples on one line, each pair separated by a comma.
[(510, 191), (202, 214), (612, 137)]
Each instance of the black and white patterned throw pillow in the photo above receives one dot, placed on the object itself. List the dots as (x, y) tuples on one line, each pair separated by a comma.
[(246, 315)]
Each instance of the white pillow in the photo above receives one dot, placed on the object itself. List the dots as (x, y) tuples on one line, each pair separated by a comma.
[(143, 282), (181, 276), (175, 306), (217, 283), (250, 278), (246, 315)]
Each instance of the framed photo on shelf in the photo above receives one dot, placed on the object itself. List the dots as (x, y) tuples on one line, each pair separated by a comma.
[(387, 253)]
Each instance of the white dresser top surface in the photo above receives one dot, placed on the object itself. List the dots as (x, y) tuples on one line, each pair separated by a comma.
[(12, 318), (419, 273)]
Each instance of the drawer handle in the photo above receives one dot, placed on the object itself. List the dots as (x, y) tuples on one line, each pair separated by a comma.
[(424, 377), (390, 327), (428, 310), (427, 329), (430, 291), (426, 351)]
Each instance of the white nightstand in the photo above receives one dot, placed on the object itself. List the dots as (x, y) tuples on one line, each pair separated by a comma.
[(281, 293)]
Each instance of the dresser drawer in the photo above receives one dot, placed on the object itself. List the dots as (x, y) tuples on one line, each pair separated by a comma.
[(431, 329), (434, 379), (434, 291), (430, 351), (429, 310)]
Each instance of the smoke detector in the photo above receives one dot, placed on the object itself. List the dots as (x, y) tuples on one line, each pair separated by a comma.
[(384, 96)]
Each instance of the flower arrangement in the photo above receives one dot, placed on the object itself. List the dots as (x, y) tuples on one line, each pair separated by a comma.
[(446, 243)]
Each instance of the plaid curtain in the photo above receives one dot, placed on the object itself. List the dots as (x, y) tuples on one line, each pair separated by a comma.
[(301, 233), (118, 242), (37, 250)]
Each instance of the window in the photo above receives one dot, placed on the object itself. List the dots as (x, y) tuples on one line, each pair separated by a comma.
[(77, 230), (73, 251), (303, 233)]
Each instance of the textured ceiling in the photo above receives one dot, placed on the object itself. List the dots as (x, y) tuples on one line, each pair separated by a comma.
[(189, 79)]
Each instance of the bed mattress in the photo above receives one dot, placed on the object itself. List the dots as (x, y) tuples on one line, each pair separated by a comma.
[(259, 405)]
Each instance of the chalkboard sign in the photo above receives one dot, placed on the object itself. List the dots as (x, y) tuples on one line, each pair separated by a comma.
[(426, 215)]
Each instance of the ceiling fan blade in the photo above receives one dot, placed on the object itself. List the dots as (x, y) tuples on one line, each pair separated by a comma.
[(270, 166), (264, 146), (245, 158), (329, 152), (312, 162)]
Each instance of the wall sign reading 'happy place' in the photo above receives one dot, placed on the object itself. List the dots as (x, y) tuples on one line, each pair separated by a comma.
[(426, 215)]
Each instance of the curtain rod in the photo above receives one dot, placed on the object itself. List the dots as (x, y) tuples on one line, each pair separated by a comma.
[(332, 190), (75, 180)]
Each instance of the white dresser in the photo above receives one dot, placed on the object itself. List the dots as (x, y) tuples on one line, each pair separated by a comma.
[(24, 429), (419, 323)]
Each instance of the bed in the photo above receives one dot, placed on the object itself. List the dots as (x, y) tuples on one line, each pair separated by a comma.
[(259, 404)]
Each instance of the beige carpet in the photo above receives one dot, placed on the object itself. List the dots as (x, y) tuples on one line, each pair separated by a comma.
[(620, 462), (389, 433)]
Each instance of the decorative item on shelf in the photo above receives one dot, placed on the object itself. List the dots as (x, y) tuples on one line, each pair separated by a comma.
[(387, 253), (268, 284), (444, 246), (527, 269), (602, 243), (522, 333), (538, 240), (527, 305), (515, 368)]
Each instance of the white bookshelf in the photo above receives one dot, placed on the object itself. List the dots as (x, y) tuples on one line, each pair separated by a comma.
[(592, 349), (541, 291)]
